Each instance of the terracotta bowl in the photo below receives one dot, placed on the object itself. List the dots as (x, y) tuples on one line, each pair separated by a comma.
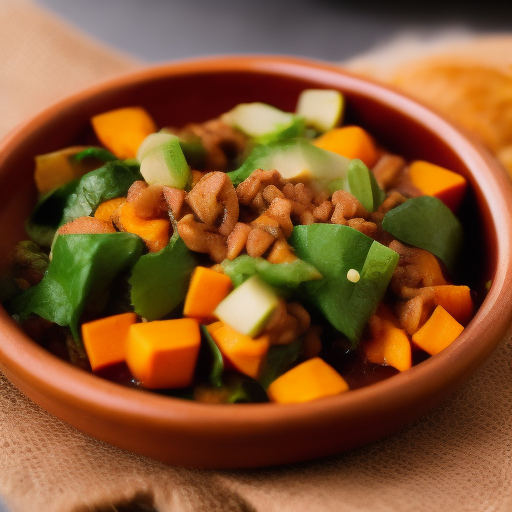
[(230, 436)]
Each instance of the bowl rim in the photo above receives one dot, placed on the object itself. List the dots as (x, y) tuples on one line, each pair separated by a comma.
[(51, 376)]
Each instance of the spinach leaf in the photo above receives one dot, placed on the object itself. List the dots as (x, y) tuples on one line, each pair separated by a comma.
[(160, 280), (46, 216), (108, 182), (102, 154), (363, 185), (279, 275), (194, 152), (242, 389), (210, 359), (426, 222), (280, 358), (334, 250), (82, 268)]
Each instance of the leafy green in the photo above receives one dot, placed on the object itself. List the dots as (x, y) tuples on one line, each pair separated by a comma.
[(102, 154), (279, 275), (211, 361), (426, 222), (334, 250), (108, 182), (194, 152), (82, 268), (280, 358), (243, 389), (160, 280), (363, 185), (46, 216)]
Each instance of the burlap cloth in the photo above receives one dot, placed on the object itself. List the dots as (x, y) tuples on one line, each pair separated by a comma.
[(457, 458)]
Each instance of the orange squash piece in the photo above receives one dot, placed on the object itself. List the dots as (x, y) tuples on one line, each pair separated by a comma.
[(163, 354), (105, 339), (154, 232), (428, 266), (390, 347), (307, 381), (244, 354), (59, 167), (456, 300), (437, 332), (122, 130), (281, 252), (106, 210), (439, 182), (206, 291), (351, 142)]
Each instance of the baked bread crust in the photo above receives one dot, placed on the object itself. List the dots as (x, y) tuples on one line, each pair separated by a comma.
[(469, 82)]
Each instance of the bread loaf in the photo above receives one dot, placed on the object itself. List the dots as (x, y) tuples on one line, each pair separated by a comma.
[(469, 81)]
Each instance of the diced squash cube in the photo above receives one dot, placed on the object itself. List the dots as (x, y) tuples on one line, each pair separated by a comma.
[(281, 252), (60, 167), (105, 339), (437, 332), (439, 182), (122, 130), (350, 142), (206, 290), (307, 381), (163, 354), (244, 354), (106, 210), (390, 347), (154, 232), (456, 300)]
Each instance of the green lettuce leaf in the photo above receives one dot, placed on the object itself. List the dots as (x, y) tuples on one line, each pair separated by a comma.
[(334, 250), (426, 222), (108, 182), (279, 275), (160, 280), (82, 268)]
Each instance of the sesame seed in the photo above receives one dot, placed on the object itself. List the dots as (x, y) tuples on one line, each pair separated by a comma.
[(353, 275)]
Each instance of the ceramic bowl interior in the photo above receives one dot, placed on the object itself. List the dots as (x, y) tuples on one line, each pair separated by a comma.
[(200, 435)]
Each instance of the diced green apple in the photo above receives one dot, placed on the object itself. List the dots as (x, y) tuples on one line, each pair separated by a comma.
[(296, 160), (248, 308), (263, 122), (152, 141), (321, 108), (165, 164)]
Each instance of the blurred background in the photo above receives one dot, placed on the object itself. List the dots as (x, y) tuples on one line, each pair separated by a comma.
[(159, 30)]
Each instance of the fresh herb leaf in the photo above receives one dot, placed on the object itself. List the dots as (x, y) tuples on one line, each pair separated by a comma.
[(46, 216), (280, 358), (82, 267), (426, 222), (108, 182), (334, 250), (363, 185), (102, 154), (211, 361), (280, 275), (160, 280), (243, 389)]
